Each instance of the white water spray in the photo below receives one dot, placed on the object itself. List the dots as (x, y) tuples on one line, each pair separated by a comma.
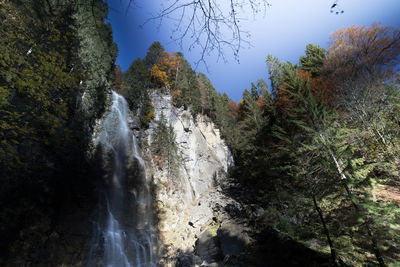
[(123, 234)]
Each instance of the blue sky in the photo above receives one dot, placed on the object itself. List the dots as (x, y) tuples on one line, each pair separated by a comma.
[(285, 30)]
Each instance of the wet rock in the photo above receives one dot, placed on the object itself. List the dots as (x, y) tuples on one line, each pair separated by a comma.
[(134, 123)]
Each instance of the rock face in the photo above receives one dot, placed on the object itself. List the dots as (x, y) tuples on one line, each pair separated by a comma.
[(188, 202), (204, 153)]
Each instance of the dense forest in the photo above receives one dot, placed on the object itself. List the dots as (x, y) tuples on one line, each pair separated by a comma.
[(56, 69), (319, 147)]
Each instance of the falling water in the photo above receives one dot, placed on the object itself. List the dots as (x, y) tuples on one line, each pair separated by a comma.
[(123, 233)]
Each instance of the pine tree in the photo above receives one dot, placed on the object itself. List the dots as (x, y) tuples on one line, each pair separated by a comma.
[(188, 86), (165, 147), (154, 54), (134, 84), (313, 60)]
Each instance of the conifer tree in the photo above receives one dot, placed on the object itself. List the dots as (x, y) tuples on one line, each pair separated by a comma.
[(134, 84), (154, 54), (164, 145), (313, 60)]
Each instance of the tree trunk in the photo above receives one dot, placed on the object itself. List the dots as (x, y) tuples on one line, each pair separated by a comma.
[(321, 217), (343, 177)]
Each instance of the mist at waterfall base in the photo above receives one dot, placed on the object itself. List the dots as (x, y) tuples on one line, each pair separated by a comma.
[(122, 234)]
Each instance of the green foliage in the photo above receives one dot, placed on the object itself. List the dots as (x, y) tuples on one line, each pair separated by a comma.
[(220, 108), (164, 146), (187, 84), (38, 90), (276, 75), (56, 67), (134, 90), (307, 144), (146, 111), (97, 52), (134, 83), (154, 54), (314, 59)]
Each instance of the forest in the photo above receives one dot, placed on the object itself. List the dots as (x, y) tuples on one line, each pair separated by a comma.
[(319, 146)]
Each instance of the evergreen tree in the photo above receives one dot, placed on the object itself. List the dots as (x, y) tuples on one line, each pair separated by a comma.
[(56, 68), (314, 59), (97, 52), (134, 83), (188, 86), (165, 147), (154, 54)]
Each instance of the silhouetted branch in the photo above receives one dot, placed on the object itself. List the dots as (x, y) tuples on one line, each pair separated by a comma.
[(213, 26)]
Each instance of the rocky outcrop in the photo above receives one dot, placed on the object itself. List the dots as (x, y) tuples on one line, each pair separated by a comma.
[(205, 156), (190, 204)]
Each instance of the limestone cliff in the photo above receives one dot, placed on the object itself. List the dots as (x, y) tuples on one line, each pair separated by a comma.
[(187, 202)]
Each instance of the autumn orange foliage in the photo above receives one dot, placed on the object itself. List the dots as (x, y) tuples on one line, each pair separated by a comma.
[(233, 108), (159, 76), (367, 51), (283, 99), (164, 72), (320, 86), (303, 74), (261, 102)]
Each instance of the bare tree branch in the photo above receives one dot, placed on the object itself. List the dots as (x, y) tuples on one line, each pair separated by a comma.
[(213, 26)]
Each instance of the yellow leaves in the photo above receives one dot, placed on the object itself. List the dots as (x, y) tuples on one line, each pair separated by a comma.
[(164, 72), (160, 76)]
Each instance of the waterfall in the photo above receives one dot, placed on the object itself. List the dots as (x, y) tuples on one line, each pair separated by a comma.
[(123, 234)]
